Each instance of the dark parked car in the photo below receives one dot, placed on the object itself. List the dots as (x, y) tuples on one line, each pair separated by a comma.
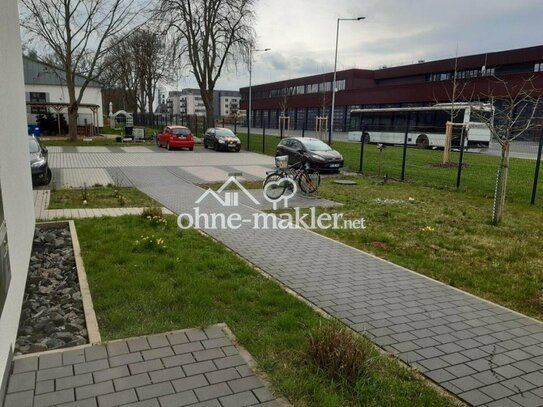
[(41, 173), (220, 138), (320, 155)]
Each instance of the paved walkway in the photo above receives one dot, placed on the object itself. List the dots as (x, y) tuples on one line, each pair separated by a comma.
[(192, 367), (41, 202), (484, 353)]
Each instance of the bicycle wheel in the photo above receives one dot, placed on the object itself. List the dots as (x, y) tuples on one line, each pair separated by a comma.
[(277, 187), (309, 180)]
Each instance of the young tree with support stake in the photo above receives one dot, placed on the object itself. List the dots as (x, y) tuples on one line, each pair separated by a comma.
[(514, 114), (76, 32), (212, 34)]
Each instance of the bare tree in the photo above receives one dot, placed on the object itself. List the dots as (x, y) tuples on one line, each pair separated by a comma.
[(212, 33), (76, 32), (514, 115)]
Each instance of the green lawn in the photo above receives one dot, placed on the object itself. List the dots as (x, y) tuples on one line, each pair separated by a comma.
[(99, 197), (478, 176), (141, 289), (448, 236)]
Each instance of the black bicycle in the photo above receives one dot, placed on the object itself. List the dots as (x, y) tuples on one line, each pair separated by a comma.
[(282, 179)]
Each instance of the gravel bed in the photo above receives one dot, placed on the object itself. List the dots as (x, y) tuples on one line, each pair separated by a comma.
[(52, 316)]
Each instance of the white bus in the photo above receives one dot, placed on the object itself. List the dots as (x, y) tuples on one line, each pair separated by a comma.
[(427, 125)]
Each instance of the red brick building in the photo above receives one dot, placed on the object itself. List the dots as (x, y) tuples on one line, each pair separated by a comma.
[(421, 84)]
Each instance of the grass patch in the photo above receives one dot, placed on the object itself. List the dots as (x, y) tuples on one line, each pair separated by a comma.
[(447, 236), (195, 282), (423, 167), (100, 197)]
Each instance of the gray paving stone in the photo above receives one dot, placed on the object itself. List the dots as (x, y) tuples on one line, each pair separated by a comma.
[(163, 375), (246, 383), (117, 348), (229, 361), (475, 397), (81, 403), (46, 386), (119, 398), (73, 381), (130, 382), (72, 357), (125, 359), (22, 381), (145, 403), (21, 399), (208, 354), (94, 390), (57, 397), (54, 373), (187, 347), (246, 398), (196, 335), (263, 394), (138, 344), (497, 391), (158, 341), (50, 360), (201, 367), (146, 366), (222, 375), (157, 353), (213, 391), (466, 383), (508, 371), (23, 365), (111, 373), (528, 399), (178, 360), (177, 338), (90, 367), (95, 352), (155, 390), (178, 399), (189, 383)]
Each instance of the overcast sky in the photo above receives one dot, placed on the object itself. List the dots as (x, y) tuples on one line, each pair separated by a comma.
[(301, 34)]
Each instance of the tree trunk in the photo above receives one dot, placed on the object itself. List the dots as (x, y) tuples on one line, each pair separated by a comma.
[(210, 111), (501, 185), (72, 121)]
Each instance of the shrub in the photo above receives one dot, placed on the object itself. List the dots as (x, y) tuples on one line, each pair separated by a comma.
[(339, 353), (152, 212)]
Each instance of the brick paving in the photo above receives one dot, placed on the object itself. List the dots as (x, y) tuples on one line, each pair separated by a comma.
[(484, 353), (183, 368)]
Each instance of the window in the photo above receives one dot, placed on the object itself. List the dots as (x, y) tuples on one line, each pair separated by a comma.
[(538, 67), (38, 97)]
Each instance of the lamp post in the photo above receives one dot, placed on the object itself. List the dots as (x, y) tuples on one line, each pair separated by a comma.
[(251, 50), (334, 81)]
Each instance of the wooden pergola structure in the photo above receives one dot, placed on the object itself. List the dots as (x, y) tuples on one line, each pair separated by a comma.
[(59, 107)]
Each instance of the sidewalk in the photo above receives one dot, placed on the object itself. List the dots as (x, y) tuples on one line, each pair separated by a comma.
[(41, 202), (481, 352), (189, 367)]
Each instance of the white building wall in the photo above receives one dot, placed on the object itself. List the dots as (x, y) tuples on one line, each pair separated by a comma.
[(14, 176), (59, 94)]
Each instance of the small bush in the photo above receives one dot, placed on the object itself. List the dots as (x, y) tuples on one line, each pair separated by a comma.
[(152, 212), (339, 353)]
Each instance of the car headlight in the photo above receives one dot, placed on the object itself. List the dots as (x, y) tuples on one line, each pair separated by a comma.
[(38, 163), (317, 157), (221, 141)]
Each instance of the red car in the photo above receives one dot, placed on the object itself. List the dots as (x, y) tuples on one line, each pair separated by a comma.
[(176, 137)]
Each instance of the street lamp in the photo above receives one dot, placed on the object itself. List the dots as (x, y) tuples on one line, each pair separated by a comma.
[(251, 50), (334, 81)]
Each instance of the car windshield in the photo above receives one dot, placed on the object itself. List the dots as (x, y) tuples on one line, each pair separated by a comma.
[(316, 145), (181, 132), (224, 133), (34, 146)]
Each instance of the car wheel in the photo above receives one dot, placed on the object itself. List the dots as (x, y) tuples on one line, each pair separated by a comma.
[(422, 142), (216, 146), (205, 144), (47, 177), (238, 149), (191, 148), (168, 147)]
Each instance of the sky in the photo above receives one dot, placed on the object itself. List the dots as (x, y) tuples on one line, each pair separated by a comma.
[(302, 34)]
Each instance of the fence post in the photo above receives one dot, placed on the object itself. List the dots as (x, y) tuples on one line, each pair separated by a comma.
[(263, 139), (537, 166), (235, 125), (362, 143), (404, 155), (461, 159), (196, 126), (303, 129), (223, 121)]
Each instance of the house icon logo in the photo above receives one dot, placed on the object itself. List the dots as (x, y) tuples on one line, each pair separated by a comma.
[(231, 198)]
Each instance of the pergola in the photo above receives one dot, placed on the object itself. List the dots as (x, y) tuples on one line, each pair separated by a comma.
[(59, 107)]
